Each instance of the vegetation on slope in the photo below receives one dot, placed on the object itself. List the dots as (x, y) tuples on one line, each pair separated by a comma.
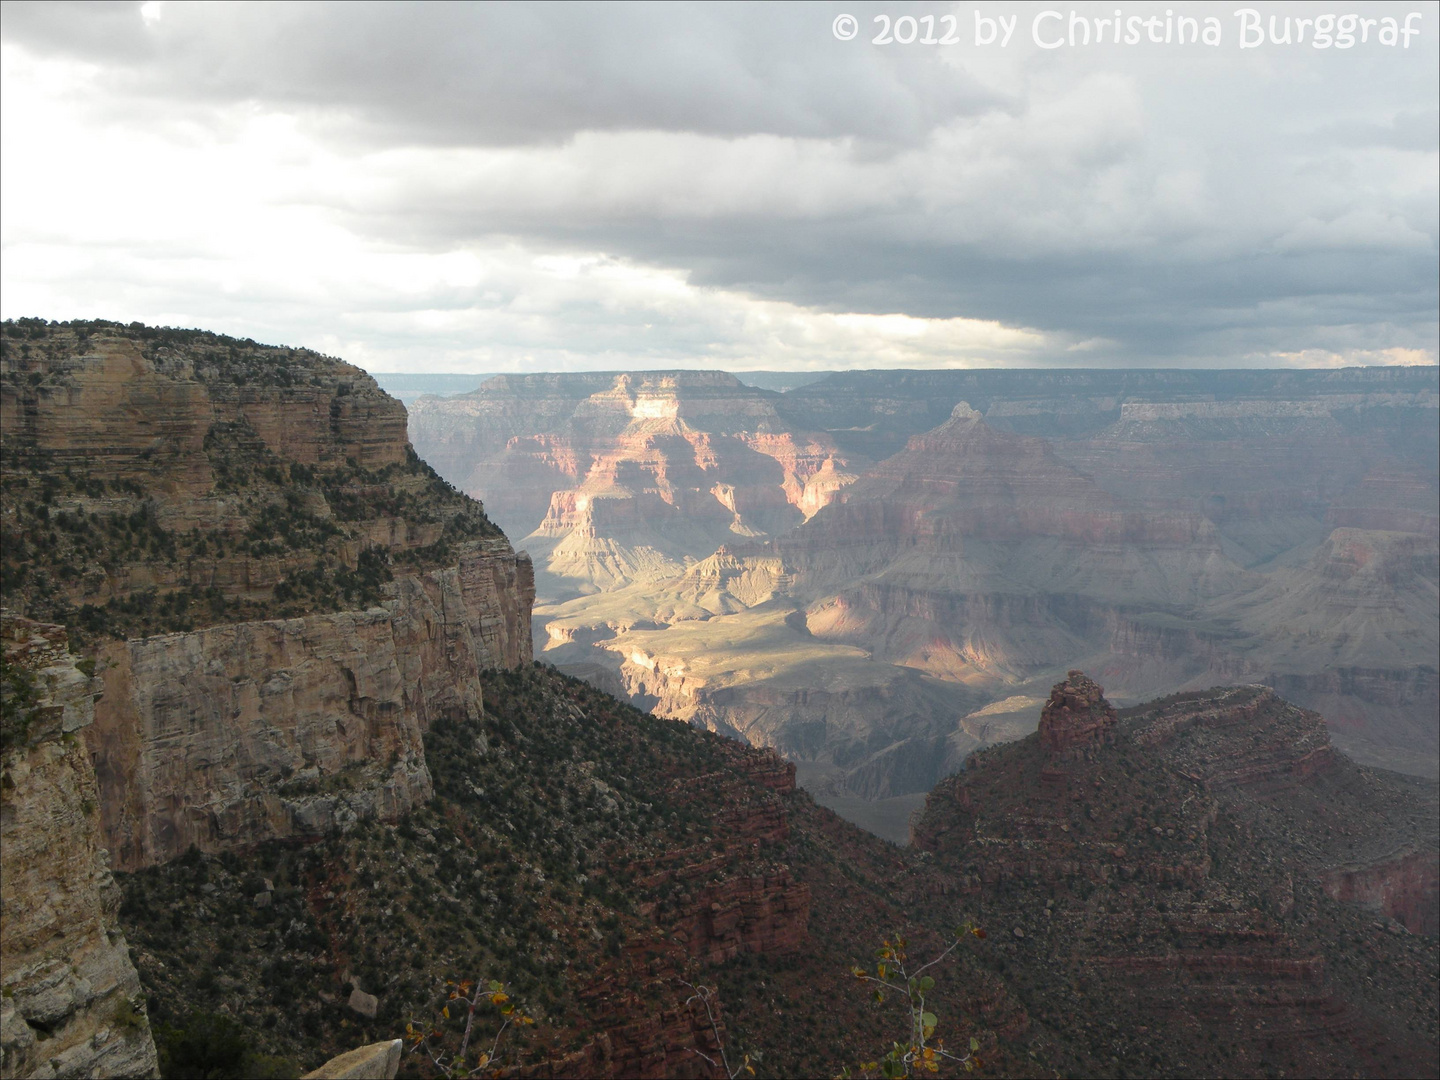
[(536, 865), (95, 548)]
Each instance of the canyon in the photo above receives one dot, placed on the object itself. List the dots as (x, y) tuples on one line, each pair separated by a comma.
[(279, 760), (984, 531), (612, 478)]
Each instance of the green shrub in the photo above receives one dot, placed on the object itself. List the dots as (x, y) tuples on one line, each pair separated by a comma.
[(212, 1046)]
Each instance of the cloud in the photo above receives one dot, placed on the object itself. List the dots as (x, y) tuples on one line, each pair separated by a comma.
[(572, 186), (511, 74)]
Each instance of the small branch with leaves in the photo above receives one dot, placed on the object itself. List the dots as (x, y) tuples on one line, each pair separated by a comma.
[(471, 996), (920, 1052), (706, 995)]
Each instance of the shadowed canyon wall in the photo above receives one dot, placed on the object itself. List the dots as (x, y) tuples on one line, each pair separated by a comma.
[(1182, 858)]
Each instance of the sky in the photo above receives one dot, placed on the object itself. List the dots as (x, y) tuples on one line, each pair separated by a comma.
[(515, 187)]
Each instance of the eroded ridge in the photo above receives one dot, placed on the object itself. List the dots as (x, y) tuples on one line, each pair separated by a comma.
[(1172, 890)]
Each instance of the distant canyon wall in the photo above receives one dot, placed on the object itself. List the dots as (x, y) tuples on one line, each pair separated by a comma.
[(1168, 530), (609, 478)]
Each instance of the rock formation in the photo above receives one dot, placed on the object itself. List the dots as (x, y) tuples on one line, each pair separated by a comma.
[(221, 737), (1173, 891), (622, 477), (1076, 718), (280, 597), (332, 780), (72, 1003), (975, 557), (1170, 530), (378, 1061)]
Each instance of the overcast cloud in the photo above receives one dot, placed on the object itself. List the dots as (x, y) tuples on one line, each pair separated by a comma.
[(489, 188)]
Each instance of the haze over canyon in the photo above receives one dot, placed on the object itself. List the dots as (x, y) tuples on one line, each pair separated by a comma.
[(877, 572)]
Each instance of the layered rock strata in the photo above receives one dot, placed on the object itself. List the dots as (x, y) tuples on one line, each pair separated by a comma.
[(72, 1003), (623, 477), (1168, 529), (280, 596)]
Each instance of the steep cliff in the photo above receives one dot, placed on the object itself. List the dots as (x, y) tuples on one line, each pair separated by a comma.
[(627, 476), (280, 596), (72, 1003)]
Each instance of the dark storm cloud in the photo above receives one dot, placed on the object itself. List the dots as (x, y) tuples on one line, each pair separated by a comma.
[(494, 74), (1202, 206)]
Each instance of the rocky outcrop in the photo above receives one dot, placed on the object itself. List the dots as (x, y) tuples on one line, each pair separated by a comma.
[(1177, 872), (227, 736), (378, 1061), (763, 915), (222, 737), (1076, 718), (279, 595), (1404, 887), (110, 408), (72, 1004), (760, 913)]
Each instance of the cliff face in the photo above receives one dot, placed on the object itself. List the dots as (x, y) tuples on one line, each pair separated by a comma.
[(72, 1003), (623, 477), (225, 736), (1183, 871), (280, 595)]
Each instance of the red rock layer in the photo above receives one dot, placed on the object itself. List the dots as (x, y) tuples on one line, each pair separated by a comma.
[(1076, 717), (1405, 887), (619, 455)]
